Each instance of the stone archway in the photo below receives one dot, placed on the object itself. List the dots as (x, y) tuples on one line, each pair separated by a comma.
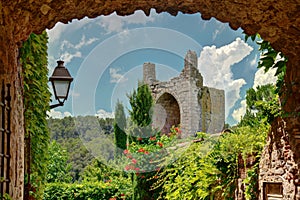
[(166, 110), (277, 21)]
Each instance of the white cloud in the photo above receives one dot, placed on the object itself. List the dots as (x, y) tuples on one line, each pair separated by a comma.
[(221, 27), (238, 113), (262, 78), (83, 42), (67, 57), (215, 66), (57, 114), (254, 61), (59, 28), (55, 33), (115, 23), (103, 114), (115, 76)]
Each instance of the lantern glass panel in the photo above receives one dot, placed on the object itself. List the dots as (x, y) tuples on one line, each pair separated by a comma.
[(61, 89)]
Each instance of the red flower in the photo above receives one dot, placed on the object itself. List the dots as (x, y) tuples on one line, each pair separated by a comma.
[(134, 161), (153, 138), (159, 144), (143, 176), (146, 152), (141, 150), (126, 151), (140, 139), (137, 169), (122, 194), (176, 129)]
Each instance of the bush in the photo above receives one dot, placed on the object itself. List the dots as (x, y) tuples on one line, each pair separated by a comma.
[(86, 191)]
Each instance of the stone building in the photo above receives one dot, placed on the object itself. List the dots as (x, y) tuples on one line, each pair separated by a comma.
[(184, 100)]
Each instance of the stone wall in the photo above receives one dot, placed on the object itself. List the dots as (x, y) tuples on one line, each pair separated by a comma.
[(279, 166), (10, 73), (184, 100)]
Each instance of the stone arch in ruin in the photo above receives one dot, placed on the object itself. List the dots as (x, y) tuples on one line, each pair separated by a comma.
[(167, 111), (277, 21)]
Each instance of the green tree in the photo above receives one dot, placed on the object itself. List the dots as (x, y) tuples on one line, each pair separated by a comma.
[(141, 102), (58, 168), (119, 128), (262, 104)]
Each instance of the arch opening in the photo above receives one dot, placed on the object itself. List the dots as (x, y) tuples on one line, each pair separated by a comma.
[(166, 113)]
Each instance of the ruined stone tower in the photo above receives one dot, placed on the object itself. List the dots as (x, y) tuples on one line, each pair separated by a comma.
[(184, 100)]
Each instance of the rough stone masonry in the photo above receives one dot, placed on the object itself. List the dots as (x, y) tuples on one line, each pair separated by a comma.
[(184, 100)]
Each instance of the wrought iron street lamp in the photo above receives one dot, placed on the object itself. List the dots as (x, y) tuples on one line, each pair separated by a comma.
[(61, 81)]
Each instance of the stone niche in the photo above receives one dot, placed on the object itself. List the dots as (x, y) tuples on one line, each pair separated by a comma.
[(184, 100)]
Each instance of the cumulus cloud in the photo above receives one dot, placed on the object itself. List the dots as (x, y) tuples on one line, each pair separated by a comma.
[(215, 66), (83, 42), (115, 76), (115, 23), (260, 78), (57, 114), (67, 56), (238, 113), (104, 114), (56, 32)]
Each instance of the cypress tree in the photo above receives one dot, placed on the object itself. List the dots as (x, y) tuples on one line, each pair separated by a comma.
[(141, 103), (119, 127)]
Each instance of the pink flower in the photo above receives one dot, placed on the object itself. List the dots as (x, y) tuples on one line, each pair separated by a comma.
[(137, 169), (126, 151), (127, 167), (134, 161), (146, 152)]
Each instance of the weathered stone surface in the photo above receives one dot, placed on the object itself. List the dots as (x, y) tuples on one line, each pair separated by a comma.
[(279, 163), (184, 100)]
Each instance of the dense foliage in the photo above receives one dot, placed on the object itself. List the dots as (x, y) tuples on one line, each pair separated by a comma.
[(141, 105), (119, 128), (58, 170), (82, 191), (71, 132), (33, 58)]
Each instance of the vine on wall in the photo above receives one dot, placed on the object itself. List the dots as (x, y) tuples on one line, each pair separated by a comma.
[(36, 96)]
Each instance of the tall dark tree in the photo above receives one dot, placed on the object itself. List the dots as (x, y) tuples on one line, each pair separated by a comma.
[(119, 126), (141, 102)]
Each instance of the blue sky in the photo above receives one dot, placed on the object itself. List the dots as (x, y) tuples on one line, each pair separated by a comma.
[(105, 56)]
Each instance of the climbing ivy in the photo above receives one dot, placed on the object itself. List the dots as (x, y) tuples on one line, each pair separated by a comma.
[(36, 96)]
